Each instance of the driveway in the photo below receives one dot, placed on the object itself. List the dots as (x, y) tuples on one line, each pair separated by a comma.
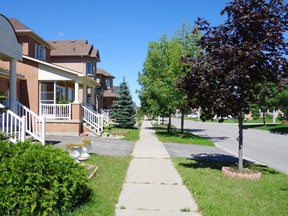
[(102, 146), (261, 146)]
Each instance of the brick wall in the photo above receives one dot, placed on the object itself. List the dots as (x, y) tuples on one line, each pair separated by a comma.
[(76, 112), (29, 94), (64, 128), (4, 83), (29, 47)]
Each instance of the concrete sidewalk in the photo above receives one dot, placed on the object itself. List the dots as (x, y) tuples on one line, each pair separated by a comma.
[(153, 187)]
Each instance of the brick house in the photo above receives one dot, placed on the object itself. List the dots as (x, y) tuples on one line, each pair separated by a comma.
[(53, 82)]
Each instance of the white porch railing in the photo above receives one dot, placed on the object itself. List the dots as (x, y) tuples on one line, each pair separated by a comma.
[(34, 124), (106, 115), (12, 125), (93, 118), (56, 111)]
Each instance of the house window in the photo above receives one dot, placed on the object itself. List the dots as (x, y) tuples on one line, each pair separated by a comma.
[(70, 94), (47, 92), (108, 83), (89, 99), (60, 94), (40, 52), (89, 69)]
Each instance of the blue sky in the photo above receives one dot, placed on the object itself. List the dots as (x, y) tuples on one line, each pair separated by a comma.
[(121, 30)]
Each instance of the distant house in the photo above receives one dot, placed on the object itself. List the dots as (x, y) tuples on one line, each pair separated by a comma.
[(107, 95), (56, 79)]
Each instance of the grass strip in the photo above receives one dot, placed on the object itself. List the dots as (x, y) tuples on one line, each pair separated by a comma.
[(273, 128), (217, 194), (175, 136), (106, 186)]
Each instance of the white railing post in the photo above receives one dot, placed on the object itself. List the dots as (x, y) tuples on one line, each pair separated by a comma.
[(92, 118), (40, 109), (43, 130), (70, 111), (23, 129), (101, 120)]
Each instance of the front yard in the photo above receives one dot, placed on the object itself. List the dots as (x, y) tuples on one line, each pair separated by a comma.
[(106, 186), (216, 194)]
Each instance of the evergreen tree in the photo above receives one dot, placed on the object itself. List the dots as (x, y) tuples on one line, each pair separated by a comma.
[(123, 108)]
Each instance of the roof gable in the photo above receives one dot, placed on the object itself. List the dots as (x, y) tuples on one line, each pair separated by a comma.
[(23, 30), (104, 73), (73, 48), (18, 26)]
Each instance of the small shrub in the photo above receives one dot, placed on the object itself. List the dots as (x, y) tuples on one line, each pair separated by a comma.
[(39, 180)]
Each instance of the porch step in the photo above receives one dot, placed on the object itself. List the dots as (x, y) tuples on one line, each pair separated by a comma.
[(92, 129)]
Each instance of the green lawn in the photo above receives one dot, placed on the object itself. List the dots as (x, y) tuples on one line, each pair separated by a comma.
[(259, 121), (175, 136), (216, 194), (106, 186), (273, 128)]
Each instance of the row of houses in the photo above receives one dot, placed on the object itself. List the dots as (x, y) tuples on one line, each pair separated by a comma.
[(55, 85)]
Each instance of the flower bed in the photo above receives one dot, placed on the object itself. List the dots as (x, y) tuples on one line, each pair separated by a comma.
[(246, 174)]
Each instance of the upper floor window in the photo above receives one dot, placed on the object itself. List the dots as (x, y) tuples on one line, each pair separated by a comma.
[(108, 84), (89, 68), (40, 52)]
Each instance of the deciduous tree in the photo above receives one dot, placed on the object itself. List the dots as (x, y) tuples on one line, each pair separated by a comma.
[(161, 71), (248, 49)]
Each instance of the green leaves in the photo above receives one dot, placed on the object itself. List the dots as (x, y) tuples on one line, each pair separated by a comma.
[(37, 180), (162, 70)]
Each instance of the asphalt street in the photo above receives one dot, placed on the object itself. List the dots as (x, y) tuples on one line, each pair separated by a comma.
[(260, 146)]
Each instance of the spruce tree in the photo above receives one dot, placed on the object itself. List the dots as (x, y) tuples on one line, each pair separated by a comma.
[(123, 107)]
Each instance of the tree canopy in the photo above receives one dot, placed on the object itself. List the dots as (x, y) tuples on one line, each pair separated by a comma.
[(240, 55), (161, 71)]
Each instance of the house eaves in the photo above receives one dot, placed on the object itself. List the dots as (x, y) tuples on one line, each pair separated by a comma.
[(23, 30), (36, 37), (6, 73), (81, 77)]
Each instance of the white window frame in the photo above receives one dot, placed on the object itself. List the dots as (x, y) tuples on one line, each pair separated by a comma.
[(108, 81), (40, 52), (89, 68)]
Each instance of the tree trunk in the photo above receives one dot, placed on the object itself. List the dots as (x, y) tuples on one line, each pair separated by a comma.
[(240, 139), (169, 124), (182, 120), (162, 120), (264, 118)]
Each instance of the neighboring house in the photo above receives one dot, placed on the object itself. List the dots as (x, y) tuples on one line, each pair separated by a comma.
[(80, 56), (108, 95), (50, 80)]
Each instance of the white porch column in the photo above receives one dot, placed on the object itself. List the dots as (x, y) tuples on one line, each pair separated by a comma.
[(84, 93), (76, 86), (12, 85), (93, 96), (55, 91)]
